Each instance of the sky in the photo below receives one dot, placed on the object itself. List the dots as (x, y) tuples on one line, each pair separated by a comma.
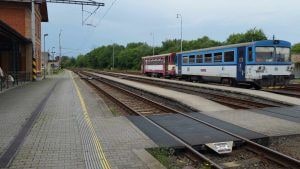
[(125, 21)]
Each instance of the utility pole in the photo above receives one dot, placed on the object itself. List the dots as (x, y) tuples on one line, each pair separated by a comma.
[(113, 56), (180, 16)]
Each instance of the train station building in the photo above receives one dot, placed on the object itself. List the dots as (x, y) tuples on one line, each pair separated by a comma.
[(20, 47), (296, 61)]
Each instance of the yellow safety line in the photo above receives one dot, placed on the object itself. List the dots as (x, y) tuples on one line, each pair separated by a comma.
[(100, 152)]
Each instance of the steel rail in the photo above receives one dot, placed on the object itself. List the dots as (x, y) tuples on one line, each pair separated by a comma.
[(231, 101), (284, 92), (266, 152), (119, 102), (163, 109)]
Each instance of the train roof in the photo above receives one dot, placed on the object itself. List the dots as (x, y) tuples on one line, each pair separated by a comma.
[(263, 42), (154, 56)]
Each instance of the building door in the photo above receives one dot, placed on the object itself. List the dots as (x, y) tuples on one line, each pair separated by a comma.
[(241, 64)]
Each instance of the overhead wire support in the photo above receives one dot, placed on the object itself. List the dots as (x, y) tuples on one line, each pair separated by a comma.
[(77, 2)]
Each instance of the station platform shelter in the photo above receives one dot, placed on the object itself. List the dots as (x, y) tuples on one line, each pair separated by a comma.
[(296, 61), (15, 53)]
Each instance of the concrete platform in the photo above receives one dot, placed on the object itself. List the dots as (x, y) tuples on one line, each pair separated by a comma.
[(257, 93), (16, 106), (286, 113), (193, 101), (270, 124), (123, 143), (267, 123), (74, 129), (194, 133)]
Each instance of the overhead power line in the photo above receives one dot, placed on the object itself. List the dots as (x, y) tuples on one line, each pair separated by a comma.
[(77, 2), (106, 12)]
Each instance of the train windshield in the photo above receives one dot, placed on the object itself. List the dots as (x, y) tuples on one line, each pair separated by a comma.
[(272, 54), (282, 54)]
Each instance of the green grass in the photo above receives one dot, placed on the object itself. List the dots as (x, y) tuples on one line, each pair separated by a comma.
[(296, 80), (114, 111), (164, 157), (57, 71), (171, 161)]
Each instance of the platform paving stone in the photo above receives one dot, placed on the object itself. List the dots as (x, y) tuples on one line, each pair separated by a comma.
[(16, 107), (54, 140), (119, 137), (58, 137)]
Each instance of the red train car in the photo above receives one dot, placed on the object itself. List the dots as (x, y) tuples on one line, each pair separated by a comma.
[(159, 65)]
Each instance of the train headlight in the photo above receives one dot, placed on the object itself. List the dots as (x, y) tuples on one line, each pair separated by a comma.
[(261, 69), (290, 68)]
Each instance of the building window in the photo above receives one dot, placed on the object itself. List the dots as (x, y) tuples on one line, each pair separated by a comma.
[(229, 56), (218, 57), (199, 58), (192, 59), (208, 58)]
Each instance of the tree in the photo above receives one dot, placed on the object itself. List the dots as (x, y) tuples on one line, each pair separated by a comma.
[(296, 48), (129, 56), (249, 36), (67, 62)]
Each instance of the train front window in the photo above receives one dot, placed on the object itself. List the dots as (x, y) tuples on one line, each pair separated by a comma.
[(283, 54), (264, 54)]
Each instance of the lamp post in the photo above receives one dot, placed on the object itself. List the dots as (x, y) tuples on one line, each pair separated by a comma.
[(180, 16), (52, 63), (60, 43), (46, 34)]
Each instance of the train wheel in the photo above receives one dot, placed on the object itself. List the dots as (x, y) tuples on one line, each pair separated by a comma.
[(224, 81), (232, 82)]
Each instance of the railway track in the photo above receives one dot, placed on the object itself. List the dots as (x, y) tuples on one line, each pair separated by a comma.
[(121, 96), (290, 90), (233, 100)]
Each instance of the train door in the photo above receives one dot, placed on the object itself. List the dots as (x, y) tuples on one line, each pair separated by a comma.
[(241, 64), (166, 69), (179, 63)]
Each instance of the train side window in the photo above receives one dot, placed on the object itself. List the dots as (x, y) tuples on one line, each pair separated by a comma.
[(208, 58), (199, 58), (218, 57), (229, 56), (250, 54), (192, 59), (185, 59)]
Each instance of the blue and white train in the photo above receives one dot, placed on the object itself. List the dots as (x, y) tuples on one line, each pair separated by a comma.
[(260, 64)]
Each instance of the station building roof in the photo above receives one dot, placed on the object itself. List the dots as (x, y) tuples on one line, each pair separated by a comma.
[(43, 9), (7, 34)]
